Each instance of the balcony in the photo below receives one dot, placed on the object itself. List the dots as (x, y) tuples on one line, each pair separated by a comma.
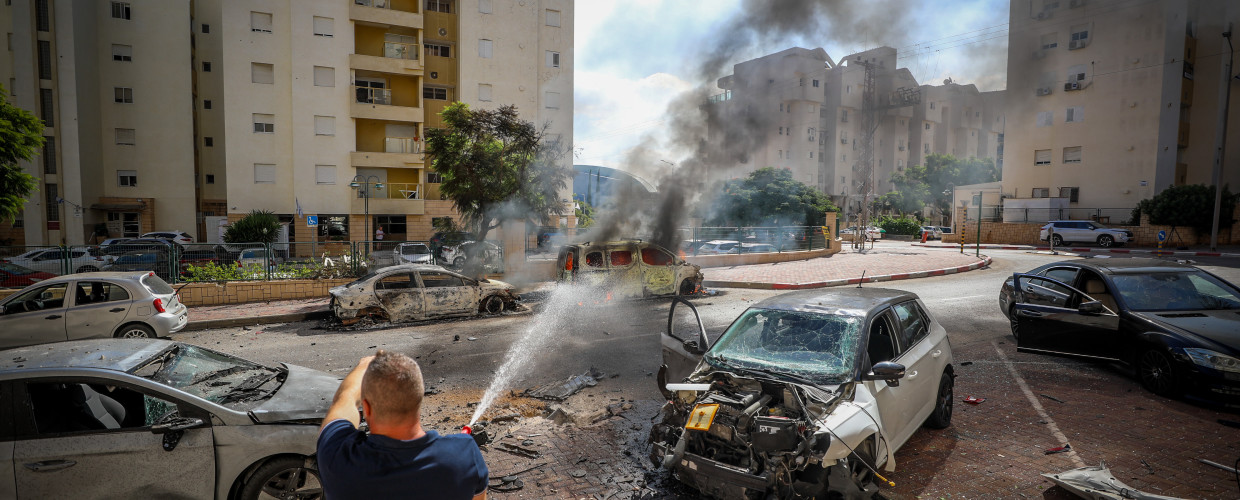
[(394, 198), (377, 104), (381, 12), (380, 64)]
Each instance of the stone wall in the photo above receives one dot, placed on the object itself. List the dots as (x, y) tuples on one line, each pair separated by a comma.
[(240, 292), (1144, 234)]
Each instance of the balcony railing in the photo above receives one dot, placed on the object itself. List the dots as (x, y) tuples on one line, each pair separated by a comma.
[(370, 95), (399, 50), (401, 145), (406, 191), (379, 4)]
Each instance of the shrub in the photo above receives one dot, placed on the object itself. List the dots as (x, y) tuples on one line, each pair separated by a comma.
[(1187, 206), (261, 226), (903, 225)]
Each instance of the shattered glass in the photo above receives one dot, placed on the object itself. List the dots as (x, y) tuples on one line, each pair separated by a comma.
[(819, 347), (213, 376)]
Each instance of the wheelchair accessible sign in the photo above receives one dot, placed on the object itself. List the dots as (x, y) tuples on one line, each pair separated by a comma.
[(312, 221)]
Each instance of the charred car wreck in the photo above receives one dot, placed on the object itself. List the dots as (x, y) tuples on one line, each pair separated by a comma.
[(630, 268), (413, 292), (805, 395)]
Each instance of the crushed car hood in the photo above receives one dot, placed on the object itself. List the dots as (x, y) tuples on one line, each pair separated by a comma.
[(1219, 325), (495, 284), (305, 395)]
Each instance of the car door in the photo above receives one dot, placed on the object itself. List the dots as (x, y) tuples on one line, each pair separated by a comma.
[(897, 403), (86, 437), (400, 296), (626, 274), (1053, 318), (592, 270), (50, 261), (682, 344), (98, 307), (921, 360), (8, 488), (445, 294), (658, 271), (35, 316)]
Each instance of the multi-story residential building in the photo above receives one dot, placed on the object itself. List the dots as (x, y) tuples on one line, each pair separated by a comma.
[(270, 105), (1103, 95)]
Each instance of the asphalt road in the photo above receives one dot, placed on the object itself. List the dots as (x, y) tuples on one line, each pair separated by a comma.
[(567, 334)]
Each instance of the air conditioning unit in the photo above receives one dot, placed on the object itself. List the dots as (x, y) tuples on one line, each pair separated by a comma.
[(1044, 15), (1044, 91), (1072, 86), (901, 148), (1076, 44), (843, 141)]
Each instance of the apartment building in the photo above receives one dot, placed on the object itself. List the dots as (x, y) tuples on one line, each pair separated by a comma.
[(199, 112), (1112, 101)]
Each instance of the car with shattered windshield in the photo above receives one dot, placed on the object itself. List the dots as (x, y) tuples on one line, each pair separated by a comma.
[(413, 292), (1176, 326), (805, 395), (628, 268), (142, 418)]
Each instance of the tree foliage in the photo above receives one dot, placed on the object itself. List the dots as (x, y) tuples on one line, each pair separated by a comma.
[(260, 226), (1188, 206), (584, 212), (769, 197), (932, 184), (21, 137), (900, 225), (496, 167)]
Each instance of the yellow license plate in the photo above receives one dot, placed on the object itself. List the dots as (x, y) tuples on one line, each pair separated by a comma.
[(701, 417)]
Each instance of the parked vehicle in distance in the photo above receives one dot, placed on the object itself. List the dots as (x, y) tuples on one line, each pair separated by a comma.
[(128, 418), (1083, 231), (141, 244), (256, 256), (449, 238), (112, 241), (153, 261), (935, 232), (91, 305), (627, 268), (198, 258), (1176, 325), (456, 256), (871, 232), (758, 248), (945, 230), (809, 377), (413, 253), (176, 236), (15, 276), (719, 247), (53, 260), (412, 292)]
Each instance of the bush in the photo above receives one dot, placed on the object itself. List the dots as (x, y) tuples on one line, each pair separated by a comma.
[(903, 225), (1186, 206), (261, 226)]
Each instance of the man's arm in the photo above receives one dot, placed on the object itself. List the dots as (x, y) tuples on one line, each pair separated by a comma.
[(348, 395), (481, 496)]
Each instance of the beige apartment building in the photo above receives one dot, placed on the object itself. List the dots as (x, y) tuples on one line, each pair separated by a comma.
[(272, 105), (1112, 101)]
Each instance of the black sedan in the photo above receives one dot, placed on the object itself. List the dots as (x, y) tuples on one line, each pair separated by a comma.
[(1176, 325)]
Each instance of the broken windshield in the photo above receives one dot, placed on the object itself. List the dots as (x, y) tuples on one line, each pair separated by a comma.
[(819, 347), (213, 376)]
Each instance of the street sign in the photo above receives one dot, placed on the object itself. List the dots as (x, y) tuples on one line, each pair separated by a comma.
[(312, 221), (1162, 236)]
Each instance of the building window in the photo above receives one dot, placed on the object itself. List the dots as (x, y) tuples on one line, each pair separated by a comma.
[(325, 175), (925, 148), (123, 95), (206, 104), (927, 124), (1074, 114), (210, 178), (206, 28), (1080, 37), (484, 92), (46, 107), (815, 83), (801, 82), (264, 173), (127, 178), (262, 73), (843, 158), (53, 202), (1041, 192), (553, 17), (931, 104), (484, 48), (324, 26), (324, 76), (122, 52), (1045, 118), (391, 224), (208, 142), (436, 93), (1072, 154), (552, 100), (438, 50), (1050, 41), (434, 178), (553, 59), (781, 131), (126, 136), (206, 67), (264, 123), (43, 16), (844, 116), (1071, 193), (49, 155), (45, 60), (324, 125), (444, 6), (484, 6), (120, 10), (1042, 157), (260, 22)]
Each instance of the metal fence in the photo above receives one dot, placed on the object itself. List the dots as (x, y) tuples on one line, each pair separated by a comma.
[(544, 243), (1118, 216)]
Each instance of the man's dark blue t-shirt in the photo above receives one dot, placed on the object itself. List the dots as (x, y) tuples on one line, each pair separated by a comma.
[(363, 466)]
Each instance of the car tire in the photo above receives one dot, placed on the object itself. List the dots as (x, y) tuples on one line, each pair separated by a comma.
[(1106, 240), (87, 269), (1157, 374), (458, 262), (1014, 323), (1058, 240), (135, 331), (942, 415), (283, 477), (861, 468), (687, 287), (493, 305)]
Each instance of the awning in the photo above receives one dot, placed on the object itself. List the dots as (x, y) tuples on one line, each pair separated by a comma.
[(119, 207)]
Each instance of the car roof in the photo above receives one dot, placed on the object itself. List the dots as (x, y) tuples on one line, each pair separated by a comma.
[(836, 300), (413, 267), (95, 275), (109, 354), (1128, 266)]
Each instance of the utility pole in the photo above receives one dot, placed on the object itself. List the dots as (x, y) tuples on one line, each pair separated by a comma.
[(871, 109), (1220, 138)]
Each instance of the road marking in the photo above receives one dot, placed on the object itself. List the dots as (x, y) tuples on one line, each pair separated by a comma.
[(1037, 405)]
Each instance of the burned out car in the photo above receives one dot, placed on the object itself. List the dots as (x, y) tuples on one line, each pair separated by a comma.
[(628, 268), (805, 395), (412, 292)]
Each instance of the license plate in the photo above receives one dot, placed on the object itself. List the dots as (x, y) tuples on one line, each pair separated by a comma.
[(701, 417)]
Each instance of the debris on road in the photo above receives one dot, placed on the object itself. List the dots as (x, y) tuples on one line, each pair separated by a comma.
[(561, 391), (518, 450), (1052, 398), (974, 400), (1148, 468), (1218, 465), (965, 363), (505, 484), (471, 339), (1097, 483), (1062, 449)]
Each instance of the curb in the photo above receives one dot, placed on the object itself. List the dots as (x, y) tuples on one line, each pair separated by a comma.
[(847, 281), (1167, 253), (254, 320)]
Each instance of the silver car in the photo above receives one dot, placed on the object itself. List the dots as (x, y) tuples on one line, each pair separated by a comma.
[(140, 418), (91, 305), (412, 292)]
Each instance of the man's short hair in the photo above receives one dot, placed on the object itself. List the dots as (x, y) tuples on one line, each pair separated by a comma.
[(393, 386)]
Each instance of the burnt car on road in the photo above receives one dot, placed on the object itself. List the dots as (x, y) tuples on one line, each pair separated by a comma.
[(1175, 325), (412, 292), (629, 268), (805, 395), (141, 418)]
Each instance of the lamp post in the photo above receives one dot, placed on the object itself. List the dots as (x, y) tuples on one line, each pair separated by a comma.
[(363, 182)]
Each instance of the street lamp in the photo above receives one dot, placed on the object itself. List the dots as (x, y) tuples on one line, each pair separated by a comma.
[(364, 182)]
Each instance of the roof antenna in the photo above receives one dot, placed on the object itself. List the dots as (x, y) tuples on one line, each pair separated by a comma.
[(862, 278)]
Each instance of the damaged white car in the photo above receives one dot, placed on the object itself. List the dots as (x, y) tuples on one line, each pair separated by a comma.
[(805, 395), (413, 292)]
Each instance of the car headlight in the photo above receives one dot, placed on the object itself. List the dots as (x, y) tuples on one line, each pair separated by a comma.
[(1211, 359)]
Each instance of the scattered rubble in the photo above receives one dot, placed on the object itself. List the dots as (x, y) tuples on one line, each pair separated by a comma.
[(1052, 398), (562, 390), (1097, 483)]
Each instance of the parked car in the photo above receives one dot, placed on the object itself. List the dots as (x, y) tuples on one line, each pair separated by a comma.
[(719, 247), (457, 256), (811, 377), (166, 247), (945, 230), (758, 248), (53, 260), (410, 292), (1083, 231), (871, 232), (177, 236), (627, 268), (15, 276), (112, 241), (91, 305), (198, 258), (449, 238), (1176, 325), (935, 232), (153, 261), (256, 256), (159, 419), (413, 253)]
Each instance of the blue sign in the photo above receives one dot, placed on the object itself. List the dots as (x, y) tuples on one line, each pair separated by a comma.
[(312, 221), (1162, 236)]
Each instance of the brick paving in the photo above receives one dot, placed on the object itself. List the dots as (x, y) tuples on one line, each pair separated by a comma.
[(896, 261)]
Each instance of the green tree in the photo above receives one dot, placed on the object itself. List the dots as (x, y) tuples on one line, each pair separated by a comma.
[(496, 166), (21, 137), (769, 196), (584, 213), (932, 184), (1190, 205), (260, 226)]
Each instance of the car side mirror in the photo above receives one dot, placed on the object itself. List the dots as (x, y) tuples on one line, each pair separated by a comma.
[(1091, 307), (178, 424), (889, 371)]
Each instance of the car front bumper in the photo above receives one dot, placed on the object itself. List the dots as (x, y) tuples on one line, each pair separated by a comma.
[(715, 479), (1212, 386)]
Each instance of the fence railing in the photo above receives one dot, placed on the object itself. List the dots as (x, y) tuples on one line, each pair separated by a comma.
[(544, 242), (371, 95), (400, 50), (1117, 216), (401, 145)]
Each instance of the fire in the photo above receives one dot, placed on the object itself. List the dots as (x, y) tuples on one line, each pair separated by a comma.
[(608, 296)]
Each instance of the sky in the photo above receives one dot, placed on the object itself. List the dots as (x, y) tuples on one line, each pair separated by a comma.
[(632, 57)]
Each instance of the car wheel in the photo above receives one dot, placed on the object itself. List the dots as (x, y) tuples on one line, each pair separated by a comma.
[(942, 415), (283, 478), (458, 262), (87, 269), (493, 305), (861, 469), (1058, 240), (1157, 376), (135, 331), (1105, 240), (1015, 323), (687, 287)]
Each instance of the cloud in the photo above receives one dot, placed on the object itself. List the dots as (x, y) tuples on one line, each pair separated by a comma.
[(610, 110)]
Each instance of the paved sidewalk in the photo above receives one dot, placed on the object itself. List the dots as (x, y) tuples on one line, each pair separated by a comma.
[(1228, 251), (257, 313)]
